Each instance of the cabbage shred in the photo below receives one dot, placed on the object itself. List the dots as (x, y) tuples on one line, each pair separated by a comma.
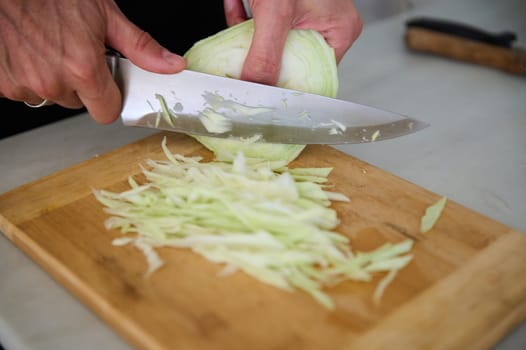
[(432, 215)]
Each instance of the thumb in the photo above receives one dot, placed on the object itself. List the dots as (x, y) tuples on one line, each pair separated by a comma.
[(140, 48)]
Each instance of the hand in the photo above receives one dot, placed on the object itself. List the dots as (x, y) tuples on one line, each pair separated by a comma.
[(55, 50), (337, 20)]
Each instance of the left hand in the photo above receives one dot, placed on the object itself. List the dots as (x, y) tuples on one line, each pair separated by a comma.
[(337, 20)]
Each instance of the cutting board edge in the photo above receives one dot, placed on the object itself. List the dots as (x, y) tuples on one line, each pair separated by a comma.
[(393, 326), (128, 330)]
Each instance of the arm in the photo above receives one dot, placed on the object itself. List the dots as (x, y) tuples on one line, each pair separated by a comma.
[(55, 50), (337, 20)]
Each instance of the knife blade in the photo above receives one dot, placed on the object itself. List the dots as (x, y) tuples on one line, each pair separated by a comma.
[(203, 104)]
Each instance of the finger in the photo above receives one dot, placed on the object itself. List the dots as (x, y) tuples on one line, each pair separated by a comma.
[(68, 100), (59, 85), (55, 91), (95, 87), (140, 48), (34, 100), (339, 29), (106, 108), (342, 39), (234, 12), (272, 22), (37, 85), (60, 96), (22, 94)]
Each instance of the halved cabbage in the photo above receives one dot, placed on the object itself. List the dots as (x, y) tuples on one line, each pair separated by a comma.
[(308, 65)]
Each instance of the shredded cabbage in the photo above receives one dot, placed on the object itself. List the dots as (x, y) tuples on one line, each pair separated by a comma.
[(275, 224)]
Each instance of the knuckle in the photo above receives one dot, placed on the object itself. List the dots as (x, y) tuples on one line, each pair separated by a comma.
[(82, 75), (47, 88), (144, 39), (13, 93), (354, 24), (81, 70), (262, 69)]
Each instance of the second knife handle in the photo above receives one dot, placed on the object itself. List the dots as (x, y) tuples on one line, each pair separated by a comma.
[(503, 58)]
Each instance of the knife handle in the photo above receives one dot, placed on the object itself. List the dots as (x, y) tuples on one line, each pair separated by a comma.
[(112, 59), (464, 43)]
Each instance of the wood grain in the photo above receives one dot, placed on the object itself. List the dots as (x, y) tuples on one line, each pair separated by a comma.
[(465, 288)]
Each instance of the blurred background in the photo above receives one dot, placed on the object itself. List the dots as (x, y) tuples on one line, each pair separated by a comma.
[(372, 10)]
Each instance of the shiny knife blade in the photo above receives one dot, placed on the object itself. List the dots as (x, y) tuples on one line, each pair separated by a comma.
[(202, 104)]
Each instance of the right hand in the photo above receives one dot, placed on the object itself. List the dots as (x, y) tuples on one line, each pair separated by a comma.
[(55, 50)]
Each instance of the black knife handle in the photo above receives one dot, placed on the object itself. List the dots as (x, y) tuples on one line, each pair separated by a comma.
[(462, 42), (503, 39)]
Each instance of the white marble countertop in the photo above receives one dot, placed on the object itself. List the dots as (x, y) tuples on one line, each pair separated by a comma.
[(474, 152)]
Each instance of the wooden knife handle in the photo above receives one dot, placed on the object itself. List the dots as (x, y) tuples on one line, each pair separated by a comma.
[(512, 60)]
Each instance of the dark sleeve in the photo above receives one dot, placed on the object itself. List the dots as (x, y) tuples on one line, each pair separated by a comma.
[(176, 26)]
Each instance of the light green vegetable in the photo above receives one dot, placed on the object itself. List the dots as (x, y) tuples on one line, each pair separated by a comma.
[(308, 62), (432, 214), (226, 149), (275, 225), (308, 65), (375, 135)]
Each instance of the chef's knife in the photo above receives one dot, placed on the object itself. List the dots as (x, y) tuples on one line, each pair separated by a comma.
[(202, 104), (464, 42)]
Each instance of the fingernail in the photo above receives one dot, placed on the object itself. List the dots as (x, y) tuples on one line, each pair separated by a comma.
[(172, 58)]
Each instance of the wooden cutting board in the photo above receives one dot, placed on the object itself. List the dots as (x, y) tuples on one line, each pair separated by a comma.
[(464, 289)]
